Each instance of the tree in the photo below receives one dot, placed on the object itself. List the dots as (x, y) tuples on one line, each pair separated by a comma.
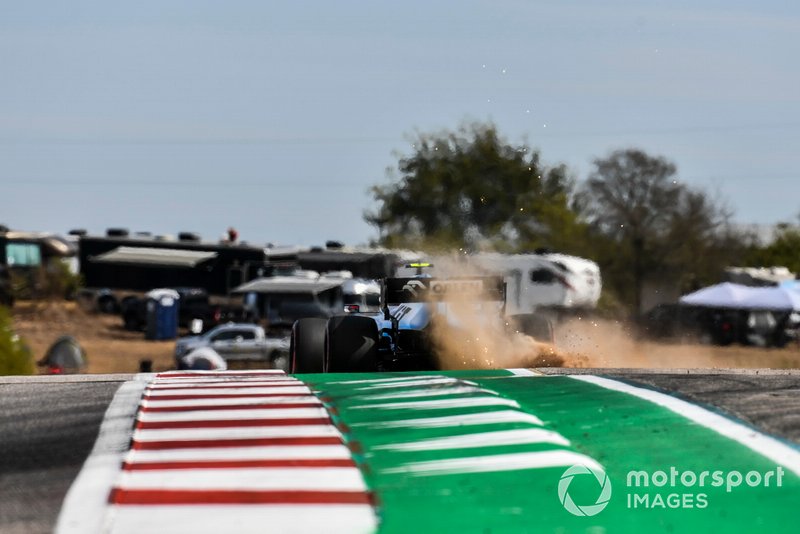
[(472, 189), (659, 226), (783, 251), (699, 242)]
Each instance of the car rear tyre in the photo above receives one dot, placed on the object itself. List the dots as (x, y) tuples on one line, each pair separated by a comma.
[(307, 346), (352, 344), (132, 322), (108, 304), (536, 326)]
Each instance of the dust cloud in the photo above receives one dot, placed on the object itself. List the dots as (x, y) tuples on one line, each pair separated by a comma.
[(469, 334), (607, 343), (484, 345), (482, 339)]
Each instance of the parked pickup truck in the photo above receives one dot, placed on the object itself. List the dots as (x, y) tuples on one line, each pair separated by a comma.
[(243, 342)]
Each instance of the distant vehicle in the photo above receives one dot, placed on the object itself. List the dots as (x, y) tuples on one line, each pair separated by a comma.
[(547, 280), (21, 250), (758, 276), (240, 342), (278, 301), (361, 295), (687, 323), (719, 326), (398, 338), (537, 282), (193, 305), (25, 254), (366, 263)]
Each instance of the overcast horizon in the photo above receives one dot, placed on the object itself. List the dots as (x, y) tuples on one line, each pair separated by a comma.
[(276, 119)]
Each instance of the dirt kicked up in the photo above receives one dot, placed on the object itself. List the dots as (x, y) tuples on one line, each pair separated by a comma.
[(612, 344), (578, 343)]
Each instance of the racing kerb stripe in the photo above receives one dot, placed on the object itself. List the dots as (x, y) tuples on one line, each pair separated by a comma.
[(233, 452)]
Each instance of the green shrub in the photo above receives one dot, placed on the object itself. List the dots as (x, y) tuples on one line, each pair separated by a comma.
[(15, 356), (59, 282)]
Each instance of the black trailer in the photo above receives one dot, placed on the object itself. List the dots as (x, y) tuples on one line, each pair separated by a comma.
[(142, 263), (362, 263)]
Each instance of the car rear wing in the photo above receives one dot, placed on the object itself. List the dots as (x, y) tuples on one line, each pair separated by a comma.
[(475, 288)]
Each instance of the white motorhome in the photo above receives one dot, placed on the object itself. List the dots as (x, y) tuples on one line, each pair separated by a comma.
[(533, 281)]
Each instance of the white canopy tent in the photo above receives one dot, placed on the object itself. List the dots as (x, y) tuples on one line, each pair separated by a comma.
[(736, 296), (726, 295), (775, 298)]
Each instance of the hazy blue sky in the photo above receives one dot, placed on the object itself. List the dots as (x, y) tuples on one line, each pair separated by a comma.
[(276, 117)]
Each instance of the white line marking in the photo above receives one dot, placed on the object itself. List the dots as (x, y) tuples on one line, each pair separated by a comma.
[(495, 463), (220, 377), (224, 373), (183, 383), (435, 392), (522, 436), (463, 402), (242, 453), (438, 381), (233, 415), (193, 434), (287, 390), (246, 519), (387, 380), (525, 372), (260, 478), (86, 501), (485, 418), (288, 399), (754, 440)]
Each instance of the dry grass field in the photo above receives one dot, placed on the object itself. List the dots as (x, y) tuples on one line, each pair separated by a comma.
[(109, 347)]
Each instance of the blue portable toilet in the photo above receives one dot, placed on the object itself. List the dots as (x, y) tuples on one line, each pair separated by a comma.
[(162, 314)]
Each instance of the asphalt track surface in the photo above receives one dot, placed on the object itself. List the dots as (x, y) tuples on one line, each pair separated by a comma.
[(47, 428), (49, 424)]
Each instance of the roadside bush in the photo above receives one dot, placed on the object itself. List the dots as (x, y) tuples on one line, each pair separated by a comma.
[(15, 356), (60, 282), (52, 281), (611, 307)]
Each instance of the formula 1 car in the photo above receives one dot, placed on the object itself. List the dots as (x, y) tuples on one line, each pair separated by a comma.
[(399, 337)]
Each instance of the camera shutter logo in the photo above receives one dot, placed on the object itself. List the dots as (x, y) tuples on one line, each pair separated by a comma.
[(585, 509)]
